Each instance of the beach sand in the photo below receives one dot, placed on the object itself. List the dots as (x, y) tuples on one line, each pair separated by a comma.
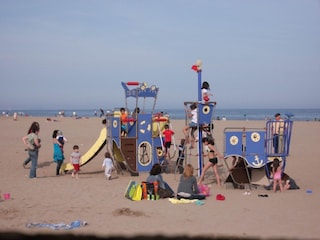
[(293, 214)]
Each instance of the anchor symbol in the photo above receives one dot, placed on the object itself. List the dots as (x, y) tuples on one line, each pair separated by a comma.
[(258, 162)]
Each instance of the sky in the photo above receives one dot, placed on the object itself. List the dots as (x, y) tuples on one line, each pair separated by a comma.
[(74, 54)]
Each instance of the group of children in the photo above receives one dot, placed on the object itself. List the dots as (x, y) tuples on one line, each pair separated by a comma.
[(107, 163), (32, 141), (75, 160), (187, 179)]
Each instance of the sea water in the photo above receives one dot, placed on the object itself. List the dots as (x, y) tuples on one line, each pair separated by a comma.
[(228, 114)]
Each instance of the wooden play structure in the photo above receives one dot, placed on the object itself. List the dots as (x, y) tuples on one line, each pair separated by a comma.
[(142, 145)]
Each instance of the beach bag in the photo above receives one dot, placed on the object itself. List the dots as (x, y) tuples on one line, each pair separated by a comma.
[(165, 193), (149, 190), (137, 195), (129, 192), (204, 189)]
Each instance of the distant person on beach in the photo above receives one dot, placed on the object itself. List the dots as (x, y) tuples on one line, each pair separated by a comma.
[(205, 91), (123, 119), (101, 112), (213, 155), (58, 156), (61, 114), (32, 142), (193, 114), (277, 131), (51, 120), (75, 158), (108, 165), (167, 133)]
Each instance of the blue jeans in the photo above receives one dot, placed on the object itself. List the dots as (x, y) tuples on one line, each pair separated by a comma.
[(276, 142), (33, 157), (27, 160)]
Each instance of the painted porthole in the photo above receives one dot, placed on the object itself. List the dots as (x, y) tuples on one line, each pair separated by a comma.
[(255, 137), (206, 110), (234, 140), (115, 123), (145, 153)]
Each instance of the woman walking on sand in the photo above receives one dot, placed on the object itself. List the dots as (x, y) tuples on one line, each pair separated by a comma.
[(213, 155), (32, 142)]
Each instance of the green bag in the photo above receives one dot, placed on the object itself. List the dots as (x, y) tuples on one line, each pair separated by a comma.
[(130, 189)]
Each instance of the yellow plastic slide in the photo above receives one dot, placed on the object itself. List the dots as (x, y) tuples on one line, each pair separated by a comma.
[(91, 153)]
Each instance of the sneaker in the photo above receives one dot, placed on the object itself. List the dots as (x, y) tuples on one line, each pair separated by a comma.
[(24, 165)]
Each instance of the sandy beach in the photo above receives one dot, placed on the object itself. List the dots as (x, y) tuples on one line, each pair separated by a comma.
[(91, 198)]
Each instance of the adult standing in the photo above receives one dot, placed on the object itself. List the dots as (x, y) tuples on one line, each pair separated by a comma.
[(277, 131), (213, 155), (58, 155), (32, 141)]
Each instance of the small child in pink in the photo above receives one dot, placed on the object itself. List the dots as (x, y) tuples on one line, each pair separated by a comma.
[(277, 173)]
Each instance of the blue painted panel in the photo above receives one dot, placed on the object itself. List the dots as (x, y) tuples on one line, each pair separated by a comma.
[(132, 129), (255, 148), (255, 142), (115, 130), (157, 150), (256, 160), (144, 151), (233, 144), (205, 113)]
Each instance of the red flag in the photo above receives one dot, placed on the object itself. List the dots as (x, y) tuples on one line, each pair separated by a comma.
[(195, 68)]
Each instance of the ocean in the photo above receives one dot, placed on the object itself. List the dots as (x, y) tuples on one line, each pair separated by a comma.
[(228, 114)]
